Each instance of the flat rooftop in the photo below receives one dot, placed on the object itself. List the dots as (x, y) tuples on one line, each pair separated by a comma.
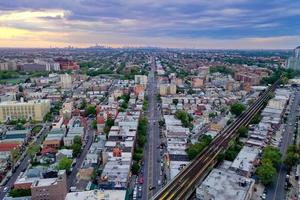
[(97, 195), (224, 185)]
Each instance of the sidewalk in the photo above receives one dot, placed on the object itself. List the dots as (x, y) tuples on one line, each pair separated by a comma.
[(258, 191)]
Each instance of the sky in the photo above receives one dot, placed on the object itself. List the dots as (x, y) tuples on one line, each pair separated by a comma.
[(205, 24)]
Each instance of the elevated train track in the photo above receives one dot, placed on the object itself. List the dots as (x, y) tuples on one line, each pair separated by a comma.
[(185, 183)]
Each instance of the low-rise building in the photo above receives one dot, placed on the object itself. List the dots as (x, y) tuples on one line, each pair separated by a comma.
[(97, 195), (244, 163), (224, 184)]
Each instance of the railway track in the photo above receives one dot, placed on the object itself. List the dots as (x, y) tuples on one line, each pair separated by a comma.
[(185, 183)]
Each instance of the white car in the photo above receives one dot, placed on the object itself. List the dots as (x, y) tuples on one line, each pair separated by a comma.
[(5, 189)]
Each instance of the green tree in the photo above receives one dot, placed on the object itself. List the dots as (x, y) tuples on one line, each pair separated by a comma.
[(145, 104), (76, 146), (90, 110), (234, 148), (175, 101), (108, 124), (273, 154), (64, 164), (94, 124), (77, 140), (212, 114), (243, 131), (48, 117), (15, 154), (33, 149), (137, 157), (194, 149), (292, 157), (76, 149), (256, 119), (184, 117), (135, 168), (20, 192), (266, 172), (36, 129), (83, 104), (237, 108)]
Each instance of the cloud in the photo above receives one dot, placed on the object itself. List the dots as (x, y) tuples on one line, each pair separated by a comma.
[(141, 22)]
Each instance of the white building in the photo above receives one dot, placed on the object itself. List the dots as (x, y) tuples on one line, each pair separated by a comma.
[(97, 195), (140, 79), (223, 184), (66, 81)]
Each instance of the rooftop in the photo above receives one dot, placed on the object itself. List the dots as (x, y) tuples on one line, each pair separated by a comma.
[(224, 185), (97, 195)]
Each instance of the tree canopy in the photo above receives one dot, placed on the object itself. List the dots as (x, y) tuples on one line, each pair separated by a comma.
[(64, 164), (266, 172), (273, 154), (194, 149), (185, 118), (292, 157), (90, 110), (76, 146), (243, 130), (237, 108)]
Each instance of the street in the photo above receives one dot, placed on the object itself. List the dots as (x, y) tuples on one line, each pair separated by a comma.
[(276, 190), (23, 165), (80, 159), (152, 157)]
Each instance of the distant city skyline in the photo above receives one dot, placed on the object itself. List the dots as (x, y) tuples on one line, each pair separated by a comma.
[(219, 24)]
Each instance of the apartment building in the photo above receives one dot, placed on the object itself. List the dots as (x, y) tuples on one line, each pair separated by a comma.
[(140, 79), (31, 110), (50, 188), (167, 89)]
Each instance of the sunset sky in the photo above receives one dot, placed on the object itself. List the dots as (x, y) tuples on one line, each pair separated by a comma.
[(244, 24)]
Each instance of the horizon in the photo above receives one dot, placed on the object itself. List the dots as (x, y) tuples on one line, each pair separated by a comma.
[(202, 24)]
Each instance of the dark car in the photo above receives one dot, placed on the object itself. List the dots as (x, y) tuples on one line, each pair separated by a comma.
[(151, 187)]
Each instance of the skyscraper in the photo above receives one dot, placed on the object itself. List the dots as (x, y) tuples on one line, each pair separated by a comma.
[(294, 61)]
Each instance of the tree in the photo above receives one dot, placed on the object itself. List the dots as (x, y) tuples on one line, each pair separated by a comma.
[(94, 124), (137, 156), (184, 117), (83, 104), (20, 192), (251, 101), (33, 149), (256, 119), (64, 164), (175, 101), (108, 124), (273, 154), (141, 140), (292, 157), (243, 131), (145, 104), (135, 168), (36, 129), (212, 114), (77, 140), (76, 146), (91, 110), (48, 117), (233, 150), (194, 149), (221, 69), (237, 108), (76, 149), (266, 172), (15, 154)]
